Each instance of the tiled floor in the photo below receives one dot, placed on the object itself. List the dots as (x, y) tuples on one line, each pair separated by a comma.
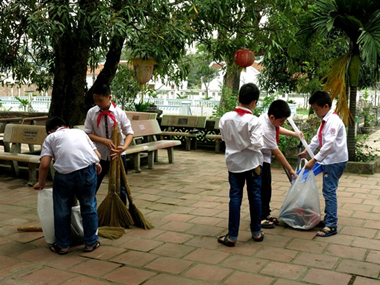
[(187, 202)]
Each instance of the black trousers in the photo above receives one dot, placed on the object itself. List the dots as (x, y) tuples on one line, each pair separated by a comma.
[(266, 190)]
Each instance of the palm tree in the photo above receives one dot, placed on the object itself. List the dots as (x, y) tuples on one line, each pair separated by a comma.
[(359, 22)]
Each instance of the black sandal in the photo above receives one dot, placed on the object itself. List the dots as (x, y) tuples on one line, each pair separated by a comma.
[(97, 244), (267, 224), (258, 239), (327, 231), (224, 240), (55, 248), (274, 220)]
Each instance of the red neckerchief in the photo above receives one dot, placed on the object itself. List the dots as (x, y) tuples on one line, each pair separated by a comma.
[(106, 113), (241, 112), (278, 135), (320, 131)]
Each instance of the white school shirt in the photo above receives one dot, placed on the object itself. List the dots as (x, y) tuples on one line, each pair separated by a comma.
[(269, 137), (71, 150), (90, 127), (242, 136), (334, 141)]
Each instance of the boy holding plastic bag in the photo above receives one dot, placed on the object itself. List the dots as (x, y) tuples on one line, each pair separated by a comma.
[(333, 156), (77, 165)]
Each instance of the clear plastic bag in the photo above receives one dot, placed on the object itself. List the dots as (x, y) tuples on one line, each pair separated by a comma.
[(46, 215), (301, 206)]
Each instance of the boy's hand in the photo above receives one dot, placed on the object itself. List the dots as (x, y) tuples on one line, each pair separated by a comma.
[(303, 154), (293, 175), (108, 143), (309, 165), (98, 168), (116, 152), (39, 186)]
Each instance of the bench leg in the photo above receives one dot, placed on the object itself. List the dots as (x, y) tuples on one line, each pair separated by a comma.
[(14, 167), (171, 154), (195, 143), (151, 156), (188, 143), (217, 146), (155, 155), (136, 162), (32, 167)]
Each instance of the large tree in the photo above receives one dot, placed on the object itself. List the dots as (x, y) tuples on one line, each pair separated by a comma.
[(63, 37), (358, 22)]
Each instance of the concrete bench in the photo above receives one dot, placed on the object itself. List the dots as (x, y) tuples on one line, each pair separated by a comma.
[(190, 124), (35, 121), (216, 137), (3, 123), (140, 115), (145, 141), (17, 134)]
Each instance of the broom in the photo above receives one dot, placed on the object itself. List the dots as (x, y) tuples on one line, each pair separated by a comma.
[(138, 217), (112, 212)]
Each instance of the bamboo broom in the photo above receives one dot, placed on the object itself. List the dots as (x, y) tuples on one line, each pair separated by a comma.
[(137, 216), (112, 212)]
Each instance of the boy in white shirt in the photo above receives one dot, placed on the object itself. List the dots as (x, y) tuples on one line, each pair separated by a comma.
[(333, 156), (99, 124), (241, 132), (271, 123), (77, 165)]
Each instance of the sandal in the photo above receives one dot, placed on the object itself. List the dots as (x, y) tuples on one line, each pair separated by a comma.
[(90, 249), (267, 224), (327, 231), (224, 240), (274, 220), (55, 248), (260, 238)]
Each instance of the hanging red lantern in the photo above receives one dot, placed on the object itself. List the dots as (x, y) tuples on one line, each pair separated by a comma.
[(244, 57)]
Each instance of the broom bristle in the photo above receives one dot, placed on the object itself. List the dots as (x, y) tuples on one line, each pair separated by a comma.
[(112, 212), (139, 218), (111, 232)]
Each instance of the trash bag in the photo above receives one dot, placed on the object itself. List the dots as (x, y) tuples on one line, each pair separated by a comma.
[(301, 207), (46, 215)]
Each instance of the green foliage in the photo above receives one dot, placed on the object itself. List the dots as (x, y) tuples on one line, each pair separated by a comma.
[(364, 152), (25, 104), (263, 104), (141, 106), (230, 104), (124, 87)]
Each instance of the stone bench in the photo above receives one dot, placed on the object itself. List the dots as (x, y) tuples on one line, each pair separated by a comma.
[(145, 141), (16, 135), (183, 126)]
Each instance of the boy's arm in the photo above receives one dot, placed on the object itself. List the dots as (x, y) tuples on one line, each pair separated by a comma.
[(105, 141), (43, 172), (115, 152), (281, 158), (289, 133)]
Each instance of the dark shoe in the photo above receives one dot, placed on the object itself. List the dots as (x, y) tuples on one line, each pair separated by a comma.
[(55, 248), (224, 240), (90, 249), (267, 224), (259, 238), (274, 220), (327, 231)]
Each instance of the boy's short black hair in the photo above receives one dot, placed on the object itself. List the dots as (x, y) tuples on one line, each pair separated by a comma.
[(248, 92), (54, 123), (102, 89), (279, 109), (321, 98)]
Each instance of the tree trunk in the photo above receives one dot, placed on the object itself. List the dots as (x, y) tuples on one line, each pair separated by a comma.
[(351, 126), (231, 80), (67, 100)]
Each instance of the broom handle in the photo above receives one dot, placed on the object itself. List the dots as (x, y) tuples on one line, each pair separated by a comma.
[(112, 177), (129, 195)]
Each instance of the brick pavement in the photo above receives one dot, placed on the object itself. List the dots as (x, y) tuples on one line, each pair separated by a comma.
[(188, 204)]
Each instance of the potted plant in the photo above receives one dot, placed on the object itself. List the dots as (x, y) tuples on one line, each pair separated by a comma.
[(368, 121)]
